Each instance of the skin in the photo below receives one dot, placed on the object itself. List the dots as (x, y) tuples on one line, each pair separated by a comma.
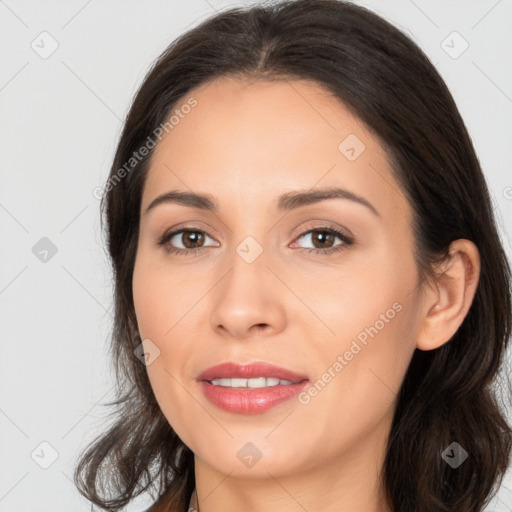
[(245, 144)]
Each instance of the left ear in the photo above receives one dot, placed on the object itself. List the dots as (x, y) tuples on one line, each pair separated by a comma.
[(446, 302)]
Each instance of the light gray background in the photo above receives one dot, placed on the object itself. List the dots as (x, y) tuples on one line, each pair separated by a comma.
[(61, 119)]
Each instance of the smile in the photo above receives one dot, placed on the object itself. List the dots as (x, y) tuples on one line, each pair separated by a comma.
[(257, 382)]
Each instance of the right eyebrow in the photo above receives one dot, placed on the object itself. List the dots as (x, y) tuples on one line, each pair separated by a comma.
[(200, 201)]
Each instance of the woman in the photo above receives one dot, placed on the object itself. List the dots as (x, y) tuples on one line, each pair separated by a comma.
[(312, 300)]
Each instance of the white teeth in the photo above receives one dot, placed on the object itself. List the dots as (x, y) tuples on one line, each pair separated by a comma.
[(256, 382)]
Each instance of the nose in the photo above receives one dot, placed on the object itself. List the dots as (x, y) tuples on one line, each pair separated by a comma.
[(249, 300)]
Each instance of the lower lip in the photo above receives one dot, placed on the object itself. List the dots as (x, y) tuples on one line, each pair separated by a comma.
[(250, 400)]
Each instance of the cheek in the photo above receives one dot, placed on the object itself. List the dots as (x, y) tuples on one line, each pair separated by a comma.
[(162, 302), (361, 360), (356, 385), (162, 296)]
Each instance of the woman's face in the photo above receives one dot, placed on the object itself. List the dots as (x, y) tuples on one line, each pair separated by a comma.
[(267, 280)]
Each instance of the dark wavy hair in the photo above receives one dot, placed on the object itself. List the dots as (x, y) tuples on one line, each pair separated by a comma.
[(448, 394)]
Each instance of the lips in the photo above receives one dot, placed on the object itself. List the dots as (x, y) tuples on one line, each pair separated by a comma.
[(247, 400), (249, 371)]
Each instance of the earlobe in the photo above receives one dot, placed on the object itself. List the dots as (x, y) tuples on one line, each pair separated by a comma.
[(447, 301)]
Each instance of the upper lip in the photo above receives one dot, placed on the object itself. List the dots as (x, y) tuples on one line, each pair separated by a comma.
[(248, 371)]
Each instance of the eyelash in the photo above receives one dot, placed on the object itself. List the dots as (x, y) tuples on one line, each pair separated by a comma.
[(347, 241)]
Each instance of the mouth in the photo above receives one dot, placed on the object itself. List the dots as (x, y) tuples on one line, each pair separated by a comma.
[(254, 383), (249, 389)]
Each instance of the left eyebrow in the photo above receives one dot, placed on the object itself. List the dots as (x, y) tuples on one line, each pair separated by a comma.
[(287, 201), (293, 200)]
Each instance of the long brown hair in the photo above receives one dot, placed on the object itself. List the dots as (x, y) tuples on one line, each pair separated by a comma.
[(448, 394)]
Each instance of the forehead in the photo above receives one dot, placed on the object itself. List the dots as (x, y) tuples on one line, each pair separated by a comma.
[(284, 116), (253, 138)]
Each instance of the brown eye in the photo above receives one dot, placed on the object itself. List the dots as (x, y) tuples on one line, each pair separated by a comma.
[(191, 239), (322, 239), (185, 241)]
